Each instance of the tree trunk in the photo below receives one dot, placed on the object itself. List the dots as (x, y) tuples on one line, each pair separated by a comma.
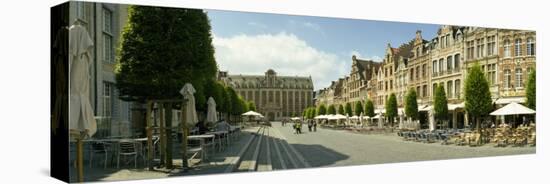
[(478, 127), (168, 124)]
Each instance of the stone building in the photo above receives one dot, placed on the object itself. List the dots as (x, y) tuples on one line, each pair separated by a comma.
[(447, 63), (419, 69), (506, 56), (275, 96), (516, 50)]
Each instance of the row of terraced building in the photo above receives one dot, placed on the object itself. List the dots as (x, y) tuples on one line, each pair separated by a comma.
[(506, 56)]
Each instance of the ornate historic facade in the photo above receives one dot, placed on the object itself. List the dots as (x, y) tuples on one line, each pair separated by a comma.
[(275, 96), (506, 56)]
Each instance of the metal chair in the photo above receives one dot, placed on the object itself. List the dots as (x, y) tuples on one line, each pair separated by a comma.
[(99, 148), (127, 148)]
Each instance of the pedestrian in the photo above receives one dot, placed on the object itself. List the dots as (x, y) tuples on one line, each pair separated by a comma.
[(309, 125), (315, 126)]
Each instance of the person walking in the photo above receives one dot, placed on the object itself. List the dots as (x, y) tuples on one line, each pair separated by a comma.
[(314, 126), (309, 125)]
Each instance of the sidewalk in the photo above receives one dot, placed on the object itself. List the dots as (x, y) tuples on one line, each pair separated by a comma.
[(216, 164)]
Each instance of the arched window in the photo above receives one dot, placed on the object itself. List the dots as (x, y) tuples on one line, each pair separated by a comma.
[(530, 46), (517, 47), (507, 78), (519, 78), (507, 48)]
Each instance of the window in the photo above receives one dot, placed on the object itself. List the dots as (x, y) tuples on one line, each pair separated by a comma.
[(507, 48), (530, 47), (449, 89), (412, 74), (457, 62), (434, 67), (491, 45), (507, 79), (519, 77), (424, 90), (107, 100), (517, 47), (441, 68), (457, 88), (479, 47), (418, 90), (391, 84), (417, 52), (491, 74), (108, 49), (417, 72), (449, 63), (470, 49), (447, 42)]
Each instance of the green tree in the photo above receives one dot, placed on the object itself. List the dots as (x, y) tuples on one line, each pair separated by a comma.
[(477, 97), (411, 106), (341, 109), (321, 110), (251, 106), (441, 110), (331, 109), (348, 110), (391, 108), (531, 91), (160, 50), (369, 108), (235, 103), (358, 108), (312, 114)]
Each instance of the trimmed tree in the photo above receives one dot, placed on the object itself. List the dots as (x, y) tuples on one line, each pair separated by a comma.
[(348, 110), (251, 106), (531, 91), (313, 112), (391, 108), (331, 109), (411, 106), (321, 110), (358, 108), (341, 109), (441, 111), (477, 97), (161, 49), (369, 108)]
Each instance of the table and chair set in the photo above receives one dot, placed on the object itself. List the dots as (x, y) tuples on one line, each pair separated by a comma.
[(128, 150)]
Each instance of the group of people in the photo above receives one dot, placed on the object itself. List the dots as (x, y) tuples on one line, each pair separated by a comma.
[(297, 126)]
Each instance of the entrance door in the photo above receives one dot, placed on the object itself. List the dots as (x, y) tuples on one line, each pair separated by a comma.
[(271, 116)]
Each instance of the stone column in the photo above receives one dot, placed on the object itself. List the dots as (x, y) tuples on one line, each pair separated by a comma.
[(455, 123)]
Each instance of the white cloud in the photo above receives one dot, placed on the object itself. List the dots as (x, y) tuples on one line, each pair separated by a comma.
[(285, 53)]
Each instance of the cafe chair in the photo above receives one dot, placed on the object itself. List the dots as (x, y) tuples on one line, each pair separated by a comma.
[(127, 148)]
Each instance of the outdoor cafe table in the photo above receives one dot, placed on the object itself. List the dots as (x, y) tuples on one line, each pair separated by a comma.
[(115, 141), (202, 138)]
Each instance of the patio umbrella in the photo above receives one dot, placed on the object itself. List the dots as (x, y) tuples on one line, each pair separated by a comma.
[(81, 118), (512, 109), (295, 118), (81, 115), (190, 112), (211, 114), (251, 113)]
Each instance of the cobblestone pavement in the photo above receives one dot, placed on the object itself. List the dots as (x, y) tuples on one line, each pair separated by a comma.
[(328, 147)]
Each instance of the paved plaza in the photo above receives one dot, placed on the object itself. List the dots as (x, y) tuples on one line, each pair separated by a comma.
[(281, 149)]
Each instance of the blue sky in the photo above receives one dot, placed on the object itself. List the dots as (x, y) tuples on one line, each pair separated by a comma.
[(250, 43)]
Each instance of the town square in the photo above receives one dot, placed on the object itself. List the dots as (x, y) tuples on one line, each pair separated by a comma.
[(161, 92)]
